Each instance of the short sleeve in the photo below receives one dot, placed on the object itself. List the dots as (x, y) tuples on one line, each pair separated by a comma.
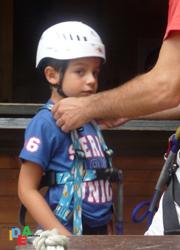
[(39, 143), (173, 23)]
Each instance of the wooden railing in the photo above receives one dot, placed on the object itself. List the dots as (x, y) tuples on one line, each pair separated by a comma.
[(17, 116)]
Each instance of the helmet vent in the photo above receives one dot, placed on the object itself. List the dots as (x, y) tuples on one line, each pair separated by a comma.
[(85, 38), (71, 37), (78, 38)]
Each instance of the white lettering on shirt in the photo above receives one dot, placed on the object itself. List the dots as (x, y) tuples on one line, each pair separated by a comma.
[(90, 145), (98, 191)]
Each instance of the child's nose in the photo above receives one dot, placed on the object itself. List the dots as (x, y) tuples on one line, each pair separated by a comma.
[(91, 79)]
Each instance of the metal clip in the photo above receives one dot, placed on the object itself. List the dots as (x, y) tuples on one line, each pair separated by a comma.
[(109, 152)]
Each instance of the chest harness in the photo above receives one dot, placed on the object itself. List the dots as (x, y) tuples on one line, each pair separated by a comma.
[(73, 179)]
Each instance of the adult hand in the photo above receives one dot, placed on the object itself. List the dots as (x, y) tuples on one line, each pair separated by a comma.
[(111, 123), (71, 113)]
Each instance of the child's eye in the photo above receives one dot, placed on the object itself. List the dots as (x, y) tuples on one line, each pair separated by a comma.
[(80, 72)]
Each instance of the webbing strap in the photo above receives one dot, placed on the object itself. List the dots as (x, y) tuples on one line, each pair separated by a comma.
[(62, 178), (72, 187), (108, 152), (79, 173), (170, 218)]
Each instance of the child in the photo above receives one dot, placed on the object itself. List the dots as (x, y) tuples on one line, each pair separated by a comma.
[(69, 56)]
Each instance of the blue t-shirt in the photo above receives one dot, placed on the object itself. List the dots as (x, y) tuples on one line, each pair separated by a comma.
[(48, 146)]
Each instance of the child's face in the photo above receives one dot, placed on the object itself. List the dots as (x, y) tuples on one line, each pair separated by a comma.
[(81, 76)]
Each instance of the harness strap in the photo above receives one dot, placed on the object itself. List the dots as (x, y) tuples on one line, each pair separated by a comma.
[(108, 152), (52, 178), (170, 217), (62, 178), (72, 187)]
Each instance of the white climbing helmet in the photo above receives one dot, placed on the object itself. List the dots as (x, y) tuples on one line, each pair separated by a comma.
[(70, 40)]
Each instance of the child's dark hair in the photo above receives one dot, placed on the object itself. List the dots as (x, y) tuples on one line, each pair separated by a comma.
[(58, 65)]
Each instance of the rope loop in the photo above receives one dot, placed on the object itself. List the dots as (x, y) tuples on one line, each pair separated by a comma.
[(50, 240)]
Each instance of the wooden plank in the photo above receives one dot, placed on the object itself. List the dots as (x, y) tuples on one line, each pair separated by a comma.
[(9, 207), (19, 108), (137, 162), (29, 109), (120, 243), (21, 123), (9, 161), (11, 141), (151, 125), (141, 176), (8, 181), (14, 123)]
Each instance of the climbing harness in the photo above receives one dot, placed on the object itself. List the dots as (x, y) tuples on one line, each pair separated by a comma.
[(167, 177), (73, 180)]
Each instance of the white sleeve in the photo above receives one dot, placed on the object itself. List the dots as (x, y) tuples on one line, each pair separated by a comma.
[(157, 227)]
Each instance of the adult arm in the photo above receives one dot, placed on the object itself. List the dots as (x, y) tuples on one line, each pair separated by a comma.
[(168, 114), (151, 92), (29, 180)]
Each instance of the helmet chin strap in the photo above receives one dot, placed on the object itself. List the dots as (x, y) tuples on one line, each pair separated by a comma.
[(58, 87)]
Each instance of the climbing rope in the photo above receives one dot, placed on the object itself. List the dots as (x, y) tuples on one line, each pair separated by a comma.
[(50, 240)]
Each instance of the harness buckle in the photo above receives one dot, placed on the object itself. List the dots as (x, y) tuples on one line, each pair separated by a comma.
[(173, 169), (109, 152), (111, 174)]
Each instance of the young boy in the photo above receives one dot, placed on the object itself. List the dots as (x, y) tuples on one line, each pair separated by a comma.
[(69, 56)]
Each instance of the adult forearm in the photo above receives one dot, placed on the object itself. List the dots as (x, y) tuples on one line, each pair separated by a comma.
[(142, 95), (154, 91), (168, 114)]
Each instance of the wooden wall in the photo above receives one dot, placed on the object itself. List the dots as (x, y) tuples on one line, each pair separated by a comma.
[(139, 154), (6, 50), (131, 30)]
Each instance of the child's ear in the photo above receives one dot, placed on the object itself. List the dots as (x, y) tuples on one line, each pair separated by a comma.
[(51, 75)]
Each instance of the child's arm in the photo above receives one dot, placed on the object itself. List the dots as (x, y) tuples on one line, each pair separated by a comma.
[(29, 179)]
